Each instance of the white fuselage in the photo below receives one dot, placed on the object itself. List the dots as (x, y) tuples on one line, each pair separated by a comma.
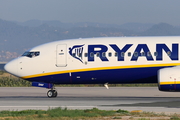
[(97, 60)]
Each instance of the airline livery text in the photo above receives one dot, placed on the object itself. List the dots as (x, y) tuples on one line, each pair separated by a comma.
[(141, 50)]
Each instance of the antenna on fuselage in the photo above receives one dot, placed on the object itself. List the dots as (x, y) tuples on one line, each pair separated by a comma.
[(106, 85)]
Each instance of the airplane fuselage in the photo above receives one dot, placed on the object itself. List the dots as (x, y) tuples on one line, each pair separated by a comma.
[(98, 60)]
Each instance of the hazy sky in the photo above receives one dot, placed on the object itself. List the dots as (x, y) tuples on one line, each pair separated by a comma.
[(103, 11)]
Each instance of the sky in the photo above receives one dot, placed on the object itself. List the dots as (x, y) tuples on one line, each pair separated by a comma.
[(101, 11)]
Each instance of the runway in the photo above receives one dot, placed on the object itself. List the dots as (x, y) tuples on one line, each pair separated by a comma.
[(148, 99)]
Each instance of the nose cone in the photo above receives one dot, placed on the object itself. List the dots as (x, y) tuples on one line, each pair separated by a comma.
[(11, 67)]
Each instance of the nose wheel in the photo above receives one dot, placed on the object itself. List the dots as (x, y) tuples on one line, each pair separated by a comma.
[(52, 93)]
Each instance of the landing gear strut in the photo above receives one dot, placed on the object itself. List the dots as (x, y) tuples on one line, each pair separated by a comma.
[(52, 93)]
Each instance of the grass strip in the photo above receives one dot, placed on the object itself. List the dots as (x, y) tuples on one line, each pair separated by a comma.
[(94, 113), (57, 113)]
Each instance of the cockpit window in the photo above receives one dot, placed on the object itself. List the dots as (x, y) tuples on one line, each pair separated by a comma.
[(31, 54)]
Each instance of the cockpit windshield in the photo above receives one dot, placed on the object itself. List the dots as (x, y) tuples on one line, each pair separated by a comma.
[(31, 54)]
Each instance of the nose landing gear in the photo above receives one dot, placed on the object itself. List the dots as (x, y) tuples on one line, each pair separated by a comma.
[(52, 93)]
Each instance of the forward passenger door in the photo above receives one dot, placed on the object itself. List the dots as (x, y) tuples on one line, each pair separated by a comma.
[(61, 57)]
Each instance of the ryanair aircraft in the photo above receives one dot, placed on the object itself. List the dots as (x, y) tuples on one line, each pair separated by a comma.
[(110, 60)]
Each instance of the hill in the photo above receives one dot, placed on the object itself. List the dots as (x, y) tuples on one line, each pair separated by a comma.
[(162, 29)]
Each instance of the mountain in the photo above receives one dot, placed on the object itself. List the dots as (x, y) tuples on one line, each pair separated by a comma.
[(162, 29), (138, 27)]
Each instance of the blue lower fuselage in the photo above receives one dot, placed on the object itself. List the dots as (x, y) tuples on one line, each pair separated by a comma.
[(129, 75)]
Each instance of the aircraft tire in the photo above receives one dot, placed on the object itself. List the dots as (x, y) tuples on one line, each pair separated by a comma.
[(50, 93)]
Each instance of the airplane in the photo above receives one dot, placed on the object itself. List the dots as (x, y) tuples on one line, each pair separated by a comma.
[(104, 60)]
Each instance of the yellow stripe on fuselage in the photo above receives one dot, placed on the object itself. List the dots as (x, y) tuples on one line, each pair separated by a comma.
[(101, 68), (170, 83)]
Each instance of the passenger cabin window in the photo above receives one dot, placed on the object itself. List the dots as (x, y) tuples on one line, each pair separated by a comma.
[(155, 53), (85, 54), (31, 54), (143, 54), (116, 54), (148, 54), (91, 54), (122, 54), (169, 53), (80, 54), (129, 54), (103, 54), (109, 54), (135, 54), (97, 54)]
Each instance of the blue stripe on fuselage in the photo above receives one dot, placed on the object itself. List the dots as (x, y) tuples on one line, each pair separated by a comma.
[(130, 75), (170, 87)]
